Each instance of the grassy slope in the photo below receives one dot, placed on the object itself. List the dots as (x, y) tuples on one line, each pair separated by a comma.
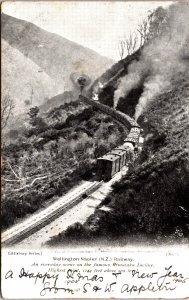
[(109, 77), (28, 75), (153, 199), (49, 57), (62, 148)]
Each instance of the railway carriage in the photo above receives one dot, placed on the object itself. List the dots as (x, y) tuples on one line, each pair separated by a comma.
[(107, 166), (128, 149), (132, 140), (135, 129), (122, 155), (111, 163), (133, 136)]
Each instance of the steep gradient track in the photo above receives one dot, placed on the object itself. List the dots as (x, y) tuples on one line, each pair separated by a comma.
[(19, 232), (116, 114)]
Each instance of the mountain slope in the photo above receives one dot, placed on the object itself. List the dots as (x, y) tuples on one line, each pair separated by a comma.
[(52, 155), (151, 204), (152, 200), (54, 55), (20, 75)]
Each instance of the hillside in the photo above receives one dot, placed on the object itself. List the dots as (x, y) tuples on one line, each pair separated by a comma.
[(110, 79), (20, 76), (18, 124), (32, 55), (152, 201), (56, 151)]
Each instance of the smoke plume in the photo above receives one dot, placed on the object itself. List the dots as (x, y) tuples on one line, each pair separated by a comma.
[(136, 71), (162, 59), (96, 90)]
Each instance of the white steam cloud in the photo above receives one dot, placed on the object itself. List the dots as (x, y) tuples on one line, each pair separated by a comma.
[(160, 60), (96, 90), (136, 71)]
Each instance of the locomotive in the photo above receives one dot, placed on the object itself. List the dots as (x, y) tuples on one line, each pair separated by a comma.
[(112, 162)]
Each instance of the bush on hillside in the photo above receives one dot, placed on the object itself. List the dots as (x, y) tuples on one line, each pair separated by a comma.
[(59, 154), (153, 198)]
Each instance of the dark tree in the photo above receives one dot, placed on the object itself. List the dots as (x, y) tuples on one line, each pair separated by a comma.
[(82, 81), (7, 106), (33, 112)]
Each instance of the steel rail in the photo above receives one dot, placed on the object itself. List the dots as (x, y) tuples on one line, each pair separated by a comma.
[(16, 237)]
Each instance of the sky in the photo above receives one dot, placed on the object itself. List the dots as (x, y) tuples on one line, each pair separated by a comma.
[(98, 25)]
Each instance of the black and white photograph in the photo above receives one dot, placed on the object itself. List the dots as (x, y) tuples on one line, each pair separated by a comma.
[(95, 128)]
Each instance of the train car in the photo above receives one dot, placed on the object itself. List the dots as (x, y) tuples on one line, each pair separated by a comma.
[(107, 166), (122, 154), (132, 140), (111, 163), (135, 129), (133, 136), (128, 148)]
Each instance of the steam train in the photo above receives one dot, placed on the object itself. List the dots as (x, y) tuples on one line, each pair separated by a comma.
[(112, 162)]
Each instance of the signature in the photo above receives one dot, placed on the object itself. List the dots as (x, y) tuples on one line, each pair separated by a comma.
[(55, 289), (165, 282), (152, 281)]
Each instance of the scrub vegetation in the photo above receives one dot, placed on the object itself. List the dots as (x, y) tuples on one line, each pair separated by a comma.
[(52, 154)]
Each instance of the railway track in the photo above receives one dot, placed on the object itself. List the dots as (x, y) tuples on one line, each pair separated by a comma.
[(21, 231)]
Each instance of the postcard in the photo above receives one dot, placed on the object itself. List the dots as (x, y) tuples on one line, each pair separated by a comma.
[(95, 149)]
